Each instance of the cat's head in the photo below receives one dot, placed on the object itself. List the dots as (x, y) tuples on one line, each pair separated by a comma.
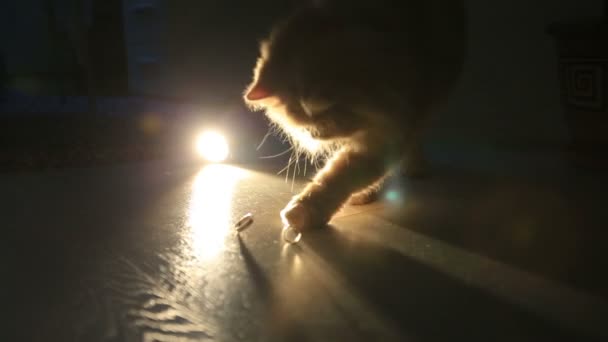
[(295, 76)]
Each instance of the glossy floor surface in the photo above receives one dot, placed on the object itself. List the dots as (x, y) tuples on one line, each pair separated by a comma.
[(478, 251)]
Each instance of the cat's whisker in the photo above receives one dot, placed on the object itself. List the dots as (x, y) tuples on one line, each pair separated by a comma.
[(288, 166), (278, 154), (263, 140), (298, 164), (316, 161), (292, 160), (282, 170), (293, 178)]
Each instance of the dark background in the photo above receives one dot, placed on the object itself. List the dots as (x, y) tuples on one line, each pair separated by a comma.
[(199, 54), (89, 83)]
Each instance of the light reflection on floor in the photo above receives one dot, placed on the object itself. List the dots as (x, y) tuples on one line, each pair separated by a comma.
[(192, 278), (210, 209), (305, 274)]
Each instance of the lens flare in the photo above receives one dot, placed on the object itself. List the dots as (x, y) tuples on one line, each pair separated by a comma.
[(212, 146)]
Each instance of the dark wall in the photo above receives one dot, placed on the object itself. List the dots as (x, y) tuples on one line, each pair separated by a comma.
[(509, 92), (212, 45), (40, 48)]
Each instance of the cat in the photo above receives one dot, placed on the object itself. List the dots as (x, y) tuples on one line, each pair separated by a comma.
[(362, 76)]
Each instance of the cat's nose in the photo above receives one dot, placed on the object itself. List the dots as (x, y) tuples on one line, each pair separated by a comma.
[(257, 93)]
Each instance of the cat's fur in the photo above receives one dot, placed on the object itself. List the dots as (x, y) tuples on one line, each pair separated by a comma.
[(361, 75)]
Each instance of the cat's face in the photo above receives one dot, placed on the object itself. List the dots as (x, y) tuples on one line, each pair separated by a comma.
[(275, 88), (293, 84), (359, 66)]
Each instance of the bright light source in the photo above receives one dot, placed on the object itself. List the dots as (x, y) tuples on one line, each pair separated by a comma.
[(212, 146)]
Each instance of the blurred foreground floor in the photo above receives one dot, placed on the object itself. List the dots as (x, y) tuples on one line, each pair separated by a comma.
[(146, 252)]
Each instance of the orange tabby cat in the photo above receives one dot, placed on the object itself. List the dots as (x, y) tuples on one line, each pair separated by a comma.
[(361, 75)]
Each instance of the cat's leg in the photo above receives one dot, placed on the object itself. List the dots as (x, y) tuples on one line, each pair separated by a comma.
[(347, 172), (365, 196), (370, 193)]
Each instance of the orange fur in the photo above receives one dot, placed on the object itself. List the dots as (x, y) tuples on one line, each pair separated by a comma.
[(356, 81)]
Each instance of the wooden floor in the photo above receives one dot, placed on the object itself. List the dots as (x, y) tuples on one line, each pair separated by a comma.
[(147, 252)]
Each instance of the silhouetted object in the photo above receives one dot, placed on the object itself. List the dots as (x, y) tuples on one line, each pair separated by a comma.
[(3, 77), (94, 37), (144, 29), (107, 50), (78, 36), (582, 48)]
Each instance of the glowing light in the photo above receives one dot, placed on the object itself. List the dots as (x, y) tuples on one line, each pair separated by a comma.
[(210, 211), (212, 146), (392, 195)]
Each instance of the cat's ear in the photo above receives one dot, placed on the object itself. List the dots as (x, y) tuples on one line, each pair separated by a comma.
[(257, 93)]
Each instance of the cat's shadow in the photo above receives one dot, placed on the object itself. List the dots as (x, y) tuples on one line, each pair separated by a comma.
[(422, 302)]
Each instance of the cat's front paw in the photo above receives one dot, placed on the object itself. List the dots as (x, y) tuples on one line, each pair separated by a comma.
[(299, 215)]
